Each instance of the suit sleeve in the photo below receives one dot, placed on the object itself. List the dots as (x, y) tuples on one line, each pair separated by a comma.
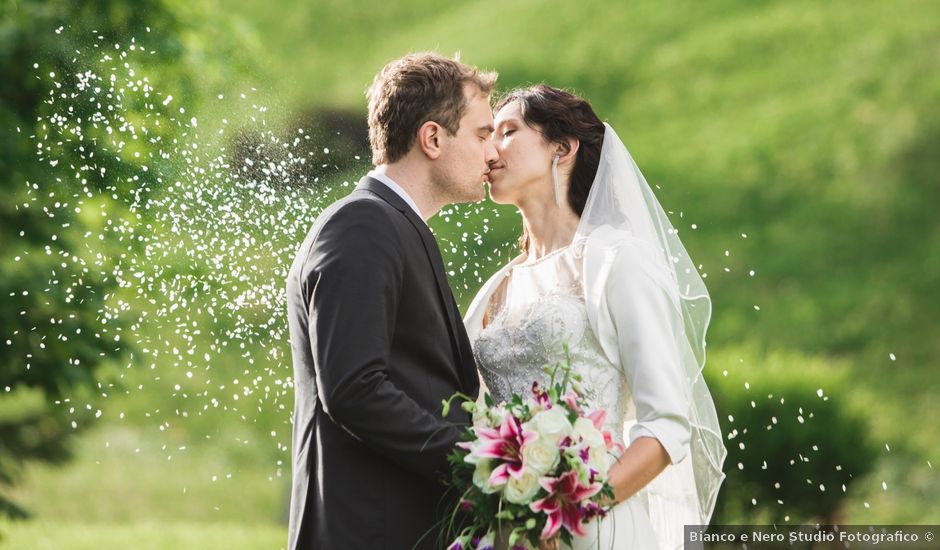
[(644, 316), (353, 279)]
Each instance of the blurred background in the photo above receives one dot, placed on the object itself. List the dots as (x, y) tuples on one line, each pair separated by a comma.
[(162, 160)]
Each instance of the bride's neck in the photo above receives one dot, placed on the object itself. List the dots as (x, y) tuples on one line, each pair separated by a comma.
[(548, 227)]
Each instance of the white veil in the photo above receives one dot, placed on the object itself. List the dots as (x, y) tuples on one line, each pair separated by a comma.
[(621, 200)]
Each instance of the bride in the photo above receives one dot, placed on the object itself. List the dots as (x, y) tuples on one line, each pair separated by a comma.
[(603, 271)]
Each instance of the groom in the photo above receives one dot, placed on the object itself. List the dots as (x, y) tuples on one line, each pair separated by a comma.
[(376, 336)]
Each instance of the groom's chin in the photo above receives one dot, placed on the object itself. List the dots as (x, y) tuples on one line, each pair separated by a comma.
[(477, 194)]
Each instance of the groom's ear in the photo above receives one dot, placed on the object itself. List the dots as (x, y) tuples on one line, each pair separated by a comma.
[(567, 150), (429, 139)]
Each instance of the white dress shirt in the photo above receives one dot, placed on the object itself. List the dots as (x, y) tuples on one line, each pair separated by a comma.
[(390, 183)]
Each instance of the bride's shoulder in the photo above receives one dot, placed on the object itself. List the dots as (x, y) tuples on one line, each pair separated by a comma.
[(618, 245), (619, 255), (486, 291)]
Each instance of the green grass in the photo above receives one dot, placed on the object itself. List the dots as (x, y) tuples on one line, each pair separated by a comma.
[(136, 486), (145, 535), (128, 474), (810, 127)]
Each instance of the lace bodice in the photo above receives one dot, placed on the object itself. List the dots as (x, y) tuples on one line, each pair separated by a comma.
[(542, 308)]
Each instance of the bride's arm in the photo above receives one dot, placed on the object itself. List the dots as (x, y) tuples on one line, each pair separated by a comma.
[(647, 324), (643, 460)]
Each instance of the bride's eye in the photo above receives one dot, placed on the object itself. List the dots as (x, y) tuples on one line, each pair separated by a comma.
[(507, 132)]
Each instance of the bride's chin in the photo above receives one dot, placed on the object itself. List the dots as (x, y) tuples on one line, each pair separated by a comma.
[(498, 194), (494, 194)]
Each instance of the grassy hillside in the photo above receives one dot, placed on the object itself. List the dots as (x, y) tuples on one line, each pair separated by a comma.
[(806, 127)]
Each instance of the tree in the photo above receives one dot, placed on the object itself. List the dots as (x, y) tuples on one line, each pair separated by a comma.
[(58, 324)]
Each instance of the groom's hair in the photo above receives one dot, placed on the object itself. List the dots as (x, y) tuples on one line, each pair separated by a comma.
[(415, 89)]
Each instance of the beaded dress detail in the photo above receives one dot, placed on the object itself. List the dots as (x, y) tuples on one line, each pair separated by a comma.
[(542, 308)]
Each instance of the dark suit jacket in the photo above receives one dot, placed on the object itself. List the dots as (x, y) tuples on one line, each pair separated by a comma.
[(377, 344)]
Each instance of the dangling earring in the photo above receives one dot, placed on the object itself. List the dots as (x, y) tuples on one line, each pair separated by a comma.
[(555, 182)]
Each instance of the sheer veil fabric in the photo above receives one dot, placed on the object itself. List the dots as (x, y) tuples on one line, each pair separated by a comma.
[(622, 209)]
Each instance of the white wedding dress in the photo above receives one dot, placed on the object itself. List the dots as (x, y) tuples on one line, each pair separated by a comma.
[(542, 307), (633, 335), (526, 334)]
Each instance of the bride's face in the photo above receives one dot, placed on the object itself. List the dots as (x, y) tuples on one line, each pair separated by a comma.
[(523, 171)]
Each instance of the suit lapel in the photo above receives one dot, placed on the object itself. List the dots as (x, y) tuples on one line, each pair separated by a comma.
[(467, 375), (462, 354)]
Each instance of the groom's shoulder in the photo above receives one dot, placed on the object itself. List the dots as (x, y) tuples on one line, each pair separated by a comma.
[(359, 213), (357, 207)]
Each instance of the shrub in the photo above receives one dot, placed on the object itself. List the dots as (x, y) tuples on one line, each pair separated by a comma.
[(794, 442)]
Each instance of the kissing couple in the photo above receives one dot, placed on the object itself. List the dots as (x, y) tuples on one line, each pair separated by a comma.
[(378, 342)]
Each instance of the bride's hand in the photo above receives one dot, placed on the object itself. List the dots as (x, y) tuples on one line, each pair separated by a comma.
[(550, 544)]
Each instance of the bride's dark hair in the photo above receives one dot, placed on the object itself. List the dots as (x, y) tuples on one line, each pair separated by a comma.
[(560, 115)]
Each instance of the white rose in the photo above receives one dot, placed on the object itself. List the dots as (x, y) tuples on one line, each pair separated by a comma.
[(481, 476), (551, 424), (593, 439), (540, 455), (585, 429), (521, 490), (599, 460)]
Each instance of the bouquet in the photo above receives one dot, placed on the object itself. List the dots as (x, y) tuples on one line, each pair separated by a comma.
[(534, 467)]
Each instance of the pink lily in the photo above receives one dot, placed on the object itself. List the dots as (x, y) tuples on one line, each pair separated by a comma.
[(563, 504), (598, 417), (504, 444), (611, 444), (541, 396), (571, 399)]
